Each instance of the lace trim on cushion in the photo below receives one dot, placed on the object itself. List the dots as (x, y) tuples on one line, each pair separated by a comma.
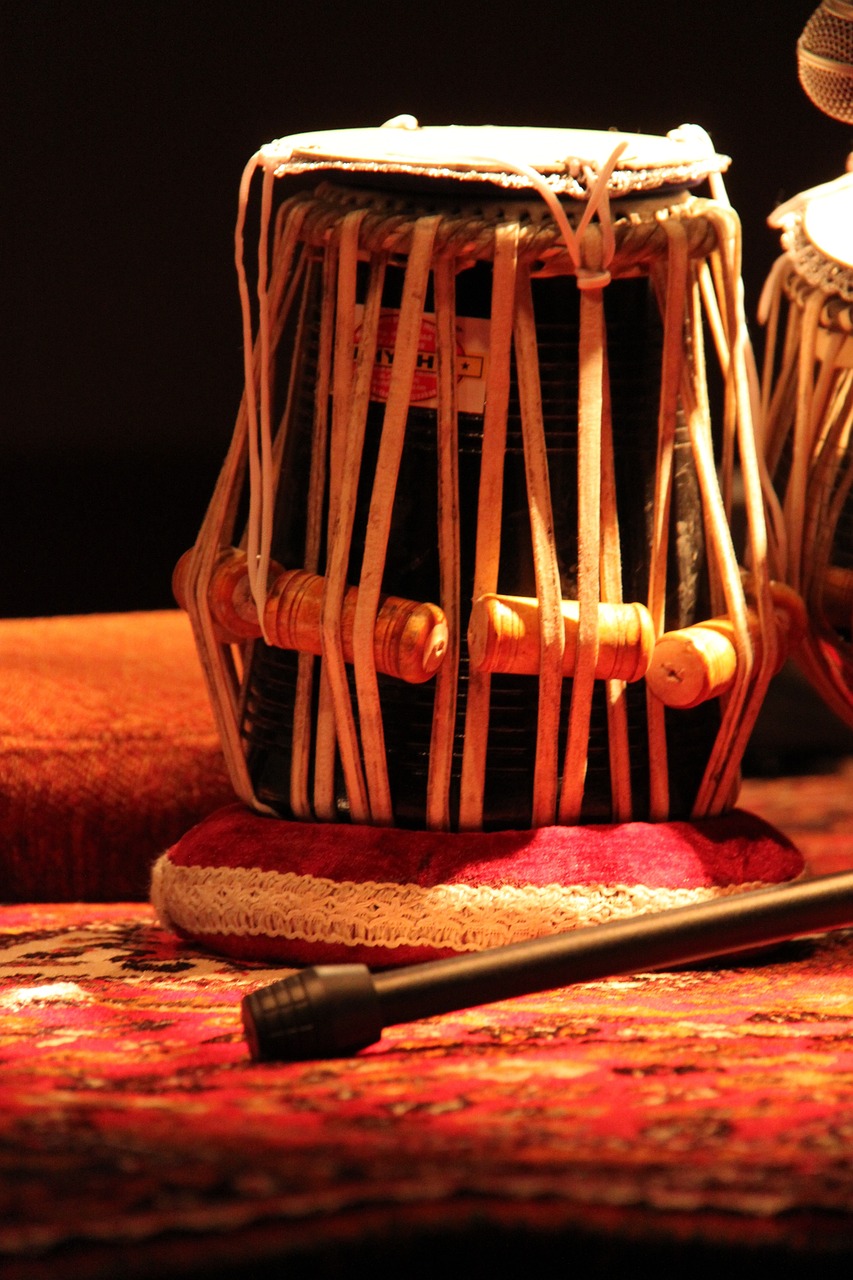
[(247, 902)]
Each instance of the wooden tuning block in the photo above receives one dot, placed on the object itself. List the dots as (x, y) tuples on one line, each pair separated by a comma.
[(409, 640), (699, 662), (503, 637)]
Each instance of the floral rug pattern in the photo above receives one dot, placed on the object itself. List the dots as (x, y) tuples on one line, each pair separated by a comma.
[(131, 1111)]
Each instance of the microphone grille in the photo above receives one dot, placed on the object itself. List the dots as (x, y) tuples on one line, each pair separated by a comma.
[(825, 59)]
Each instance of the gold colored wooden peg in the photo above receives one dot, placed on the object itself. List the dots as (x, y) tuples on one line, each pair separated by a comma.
[(699, 662), (503, 636), (410, 638)]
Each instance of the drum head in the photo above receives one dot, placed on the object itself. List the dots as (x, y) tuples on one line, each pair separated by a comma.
[(828, 220), (495, 154), (817, 235)]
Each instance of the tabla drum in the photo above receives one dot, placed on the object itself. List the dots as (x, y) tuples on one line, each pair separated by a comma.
[(808, 390), (468, 564)]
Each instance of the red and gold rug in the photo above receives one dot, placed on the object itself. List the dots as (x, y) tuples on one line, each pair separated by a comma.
[(815, 811), (709, 1108)]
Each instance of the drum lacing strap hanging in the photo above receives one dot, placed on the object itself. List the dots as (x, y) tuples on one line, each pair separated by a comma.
[(257, 386), (591, 280), (598, 202)]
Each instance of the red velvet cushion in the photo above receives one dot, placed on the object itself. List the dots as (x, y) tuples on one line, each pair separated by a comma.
[(303, 893), (108, 752)]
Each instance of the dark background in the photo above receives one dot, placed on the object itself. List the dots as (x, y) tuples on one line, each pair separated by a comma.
[(129, 126)]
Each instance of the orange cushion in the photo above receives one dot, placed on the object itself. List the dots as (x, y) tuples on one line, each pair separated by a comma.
[(108, 752)]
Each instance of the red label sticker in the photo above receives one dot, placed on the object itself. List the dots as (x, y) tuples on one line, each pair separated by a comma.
[(471, 348), (425, 379)]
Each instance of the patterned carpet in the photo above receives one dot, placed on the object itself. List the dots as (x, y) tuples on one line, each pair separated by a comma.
[(814, 810), (703, 1116)]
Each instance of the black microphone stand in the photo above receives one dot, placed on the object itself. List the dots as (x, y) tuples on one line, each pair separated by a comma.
[(335, 1010)]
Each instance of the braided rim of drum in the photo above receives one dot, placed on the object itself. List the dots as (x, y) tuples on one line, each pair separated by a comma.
[(815, 268), (469, 232)]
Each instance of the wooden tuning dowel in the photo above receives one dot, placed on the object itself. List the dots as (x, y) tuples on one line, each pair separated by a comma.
[(699, 662), (229, 595), (409, 639), (503, 636)]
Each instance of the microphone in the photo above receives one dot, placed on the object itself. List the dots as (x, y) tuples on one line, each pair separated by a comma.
[(335, 1010), (825, 59)]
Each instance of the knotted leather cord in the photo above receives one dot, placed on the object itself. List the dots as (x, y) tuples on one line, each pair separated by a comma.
[(379, 518), (591, 343), (597, 203), (336, 721), (830, 471), (754, 672), (443, 734), (769, 312), (545, 565), (302, 714), (795, 494), (775, 552), (675, 292), (823, 655), (336, 729), (779, 395), (260, 431), (622, 808), (489, 512)]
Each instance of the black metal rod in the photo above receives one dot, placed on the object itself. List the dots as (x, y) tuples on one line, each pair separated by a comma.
[(333, 1010)]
